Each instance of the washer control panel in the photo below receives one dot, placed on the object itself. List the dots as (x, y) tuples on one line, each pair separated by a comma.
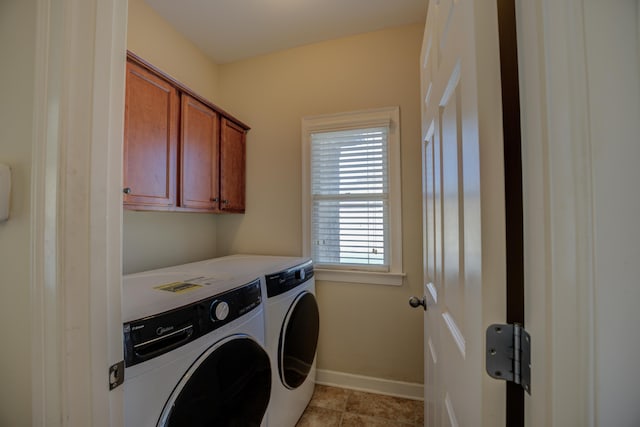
[(155, 335), (282, 281)]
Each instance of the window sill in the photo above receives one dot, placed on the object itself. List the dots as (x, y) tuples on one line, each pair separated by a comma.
[(351, 276)]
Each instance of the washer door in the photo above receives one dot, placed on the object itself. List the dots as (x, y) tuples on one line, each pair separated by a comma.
[(228, 385), (298, 340)]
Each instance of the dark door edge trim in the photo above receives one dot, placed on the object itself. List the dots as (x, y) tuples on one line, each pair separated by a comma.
[(513, 188)]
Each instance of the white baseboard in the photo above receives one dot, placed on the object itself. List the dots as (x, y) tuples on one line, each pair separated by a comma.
[(374, 385)]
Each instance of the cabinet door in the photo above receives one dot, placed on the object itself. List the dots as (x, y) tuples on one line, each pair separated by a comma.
[(232, 167), (199, 180), (150, 140)]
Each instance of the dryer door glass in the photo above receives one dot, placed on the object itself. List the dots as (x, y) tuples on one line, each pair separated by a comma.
[(229, 385), (298, 340)]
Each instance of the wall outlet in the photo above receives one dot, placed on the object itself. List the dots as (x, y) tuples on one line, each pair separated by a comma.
[(5, 191)]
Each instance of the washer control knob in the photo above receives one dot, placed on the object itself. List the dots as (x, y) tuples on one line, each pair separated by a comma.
[(300, 274), (219, 310)]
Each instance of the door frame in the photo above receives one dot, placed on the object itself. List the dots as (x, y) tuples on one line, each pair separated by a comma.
[(77, 239), (558, 223), (76, 211)]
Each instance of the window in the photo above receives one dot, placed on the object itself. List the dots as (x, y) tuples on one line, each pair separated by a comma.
[(351, 196)]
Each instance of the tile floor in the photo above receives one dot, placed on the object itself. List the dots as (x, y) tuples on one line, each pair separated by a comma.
[(338, 407)]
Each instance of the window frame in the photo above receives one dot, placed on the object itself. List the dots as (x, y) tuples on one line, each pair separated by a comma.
[(387, 116)]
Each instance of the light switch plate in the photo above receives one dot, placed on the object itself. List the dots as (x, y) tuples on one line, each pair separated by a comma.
[(5, 191)]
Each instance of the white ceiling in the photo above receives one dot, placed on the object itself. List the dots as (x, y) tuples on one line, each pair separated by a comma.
[(230, 30)]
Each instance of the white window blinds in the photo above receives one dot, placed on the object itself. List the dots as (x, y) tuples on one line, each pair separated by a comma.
[(350, 198)]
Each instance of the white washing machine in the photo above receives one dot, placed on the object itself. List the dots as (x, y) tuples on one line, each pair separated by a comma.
[(291, 326), (194, 351)]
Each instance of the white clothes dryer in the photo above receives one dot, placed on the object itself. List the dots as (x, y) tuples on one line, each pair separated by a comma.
[(291, 326), (194, 352)]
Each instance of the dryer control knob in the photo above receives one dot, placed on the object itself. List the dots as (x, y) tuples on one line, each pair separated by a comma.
[(219, 310), (300, 274)]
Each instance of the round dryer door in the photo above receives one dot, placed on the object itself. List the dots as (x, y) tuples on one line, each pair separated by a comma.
[(228, 385), (298, 340)]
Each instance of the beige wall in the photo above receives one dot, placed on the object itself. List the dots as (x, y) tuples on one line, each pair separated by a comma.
[(156, 41), (365, 329), (17, 22), (154, 239)]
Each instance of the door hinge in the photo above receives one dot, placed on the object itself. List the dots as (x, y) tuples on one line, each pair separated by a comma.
[(509, 354), (116, 375)]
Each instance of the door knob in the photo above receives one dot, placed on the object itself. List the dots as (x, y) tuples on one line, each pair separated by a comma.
[(416, 302)]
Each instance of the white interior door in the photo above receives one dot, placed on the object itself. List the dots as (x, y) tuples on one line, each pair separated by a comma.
[(464, 221)]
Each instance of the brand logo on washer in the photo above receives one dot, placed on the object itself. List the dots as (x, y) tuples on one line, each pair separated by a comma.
[(161, 330), (135, 328)]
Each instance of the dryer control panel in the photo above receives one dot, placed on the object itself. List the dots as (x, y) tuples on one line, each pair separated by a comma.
[(282, 281), (155, 335)]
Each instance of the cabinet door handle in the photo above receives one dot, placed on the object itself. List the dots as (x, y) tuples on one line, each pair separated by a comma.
[(215, 199), (226, 202), (126, 190)]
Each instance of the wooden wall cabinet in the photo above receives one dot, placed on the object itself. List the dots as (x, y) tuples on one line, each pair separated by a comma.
[(199, 172), (151, 139), (181, 153), (232, 166)]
